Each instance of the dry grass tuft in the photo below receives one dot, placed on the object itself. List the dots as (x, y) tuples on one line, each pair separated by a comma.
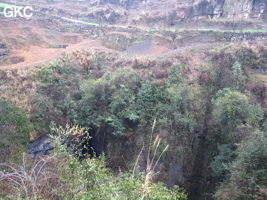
[(19, 88), (38, 181), (152, 161)]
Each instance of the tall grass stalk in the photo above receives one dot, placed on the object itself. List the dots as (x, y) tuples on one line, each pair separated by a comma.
[(151, 161)]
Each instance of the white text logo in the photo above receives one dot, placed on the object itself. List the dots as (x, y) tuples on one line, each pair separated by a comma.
[(18, 11)]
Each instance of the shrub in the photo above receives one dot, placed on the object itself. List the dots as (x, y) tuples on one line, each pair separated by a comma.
[(231, 110), (62, 176), (15, 129), (248, 178), (220, 162)]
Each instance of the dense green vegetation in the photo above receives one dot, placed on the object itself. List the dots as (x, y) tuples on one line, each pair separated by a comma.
[(247, 179), (15, 131), (190, 123), (121, 107), (114, 102), (62, 176)]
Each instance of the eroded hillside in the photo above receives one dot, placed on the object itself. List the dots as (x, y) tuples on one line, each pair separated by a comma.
[(62, 26), (166, 89)]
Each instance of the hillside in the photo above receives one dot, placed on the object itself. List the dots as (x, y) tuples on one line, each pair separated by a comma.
[(172, 93)]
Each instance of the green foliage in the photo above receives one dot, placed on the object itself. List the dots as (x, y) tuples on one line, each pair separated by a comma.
[(115, 102), (239, 79), (264, 126), (113, 98), (230, 108), (248, 58), (69, 107), (220, 162), (93, 180), (54, 72), (15, 128), (179, 109), (227, 72), (56, 96), (168, 102), (120, 99), (63, 176), (177, 75), (151, 98), (231, 113), (248, 178), (222, 76)]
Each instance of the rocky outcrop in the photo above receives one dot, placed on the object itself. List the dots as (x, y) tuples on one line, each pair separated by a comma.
[(159, 13), (79, 145), (119, 41), (3, 51), (124, 3), (222, 8), (244, 8), (40, 146)]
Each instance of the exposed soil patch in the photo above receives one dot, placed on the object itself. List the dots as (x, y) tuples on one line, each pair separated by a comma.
[(16, 59), (38, 55), (71, 39), (146, 48), (26, 44)]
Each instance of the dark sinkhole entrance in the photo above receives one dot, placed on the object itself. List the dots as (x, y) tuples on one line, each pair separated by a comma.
[(92, 147), (81, 145)]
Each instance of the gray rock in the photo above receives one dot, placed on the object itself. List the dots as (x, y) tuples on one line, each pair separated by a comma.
[(40, 146)]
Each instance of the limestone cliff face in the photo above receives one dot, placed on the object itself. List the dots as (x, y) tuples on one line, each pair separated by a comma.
[(244, 8), (227, 8), (224, 8), (151, 11), (123, 3), (155, 12), (162, 13), (198, 8)]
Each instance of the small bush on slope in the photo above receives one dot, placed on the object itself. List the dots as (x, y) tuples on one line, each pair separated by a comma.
[(15, 128), (248, 173)]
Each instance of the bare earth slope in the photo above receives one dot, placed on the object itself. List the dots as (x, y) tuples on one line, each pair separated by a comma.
[(29, 46)]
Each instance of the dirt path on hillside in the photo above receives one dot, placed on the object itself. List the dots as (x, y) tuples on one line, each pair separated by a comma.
[(37, 55)]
